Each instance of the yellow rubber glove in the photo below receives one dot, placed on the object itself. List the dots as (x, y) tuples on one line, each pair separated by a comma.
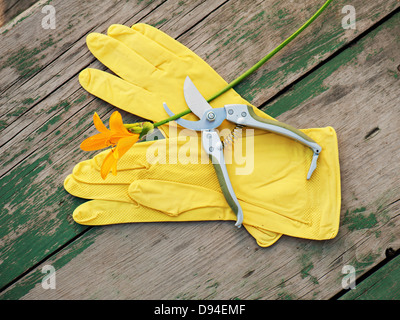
[(124, 44), (275, 196), (151, 68), (144, 42)]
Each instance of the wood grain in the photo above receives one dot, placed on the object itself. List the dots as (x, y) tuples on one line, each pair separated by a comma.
[(44, 114), (382, 285), (12, 8)]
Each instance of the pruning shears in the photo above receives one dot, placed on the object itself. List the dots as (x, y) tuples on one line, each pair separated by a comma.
[(242, 115)]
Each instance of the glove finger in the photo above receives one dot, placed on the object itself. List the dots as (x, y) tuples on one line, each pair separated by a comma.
[(206, 79), (150, 50), (122, 94), (178, 49), (100, 212), (186, 197), (95, 191), (119, 52), (144, 159), (156, 194), (164, 40), (120, 59), (89, 172), (80, 184)]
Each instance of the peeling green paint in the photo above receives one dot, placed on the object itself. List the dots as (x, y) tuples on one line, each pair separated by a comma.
[(159, 22), (17, 111), (15, 156), (357, 220), (297, 61), (35, 216), (236, 34), (362, 262), (3, 124), (383, 284), (21, 288), (214, 285), (258, 17), (393, 73), (23, 197), (286, 296), (80, 99), (26, 61), (65, 105), (306, 266), (49, 123), (283, 294), (29, 101), (281, 18)]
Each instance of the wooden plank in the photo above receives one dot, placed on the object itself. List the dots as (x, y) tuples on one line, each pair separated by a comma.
[(355, 92), (43, 128), (235, 37), (384, 284), (12, 8), (33, 70), (52, 51)]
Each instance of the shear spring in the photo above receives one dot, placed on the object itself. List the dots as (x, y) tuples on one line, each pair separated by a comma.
[(235, 134)]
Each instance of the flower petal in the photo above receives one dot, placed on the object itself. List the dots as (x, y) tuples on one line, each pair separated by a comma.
[(125, 144), (99, 124), (109, 163), (96, 142), (114, 168), (116, 124)]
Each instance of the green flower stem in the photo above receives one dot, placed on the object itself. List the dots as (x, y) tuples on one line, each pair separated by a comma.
[(253, 68)]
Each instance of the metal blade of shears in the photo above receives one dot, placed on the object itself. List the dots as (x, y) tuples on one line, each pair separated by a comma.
[(215, 149), (218, 116), (194, 98), (210, 119)]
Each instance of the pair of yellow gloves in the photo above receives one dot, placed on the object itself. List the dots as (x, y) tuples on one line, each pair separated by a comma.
[(150, 68)]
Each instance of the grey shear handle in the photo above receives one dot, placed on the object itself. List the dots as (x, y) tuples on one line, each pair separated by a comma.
[(214, 148), (245, 115)]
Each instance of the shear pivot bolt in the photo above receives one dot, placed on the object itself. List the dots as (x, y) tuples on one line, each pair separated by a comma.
[(211, 116)]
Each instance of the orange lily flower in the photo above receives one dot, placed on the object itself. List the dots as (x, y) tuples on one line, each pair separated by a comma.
[(118, 137)]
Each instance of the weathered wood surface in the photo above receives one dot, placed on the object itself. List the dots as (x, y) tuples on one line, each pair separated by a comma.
[(44, 114), (382, 285), (11, 8)]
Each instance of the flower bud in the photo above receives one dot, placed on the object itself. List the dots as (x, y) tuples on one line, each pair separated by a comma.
[(142, 128)]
